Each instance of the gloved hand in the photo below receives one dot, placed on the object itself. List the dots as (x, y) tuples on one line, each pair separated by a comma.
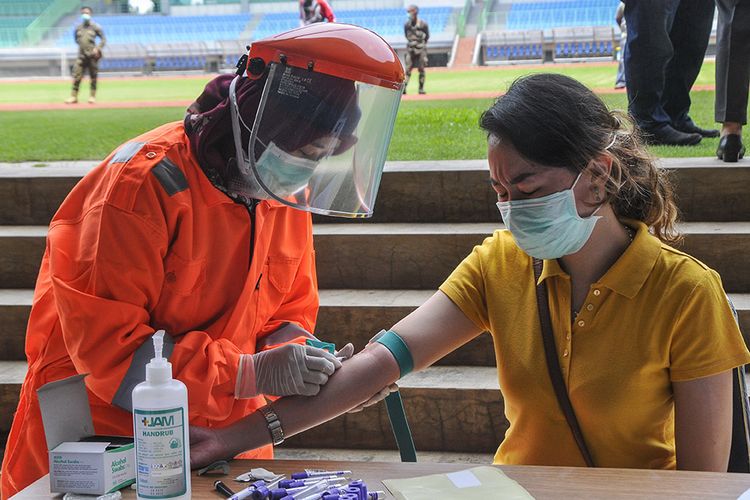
[(345, 352), (380, 396), (288, 370)]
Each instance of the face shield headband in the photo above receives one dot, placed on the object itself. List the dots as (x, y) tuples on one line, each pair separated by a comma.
[(318, 142)]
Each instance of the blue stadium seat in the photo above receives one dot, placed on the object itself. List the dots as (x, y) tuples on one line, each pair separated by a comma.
[(556, 14), (156, 28)]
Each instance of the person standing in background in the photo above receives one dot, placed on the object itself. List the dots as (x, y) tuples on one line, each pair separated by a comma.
[(620, 20), (732, 76), (667, 41), (89, 54), (417, 34), (315, 11)]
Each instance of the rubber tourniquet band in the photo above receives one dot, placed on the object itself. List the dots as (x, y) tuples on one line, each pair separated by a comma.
[(393, 402), (398, 348)]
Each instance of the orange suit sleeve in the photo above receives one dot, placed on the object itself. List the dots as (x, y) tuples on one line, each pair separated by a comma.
[(107, 273)]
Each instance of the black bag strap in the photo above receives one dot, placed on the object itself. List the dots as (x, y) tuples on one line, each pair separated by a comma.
[(739, 453), (553, 364)]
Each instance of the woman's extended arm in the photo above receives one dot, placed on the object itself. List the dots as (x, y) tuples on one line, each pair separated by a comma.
[(432, 331), (703, 422)]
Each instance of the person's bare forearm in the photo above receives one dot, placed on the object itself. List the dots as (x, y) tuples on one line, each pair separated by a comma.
[(354, 383)]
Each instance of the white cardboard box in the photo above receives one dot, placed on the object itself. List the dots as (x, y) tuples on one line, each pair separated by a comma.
[(79, 461)]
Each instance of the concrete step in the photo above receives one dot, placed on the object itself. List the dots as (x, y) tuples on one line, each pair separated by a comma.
[(15, 307), (11, 378), (425, 191), (465, 51), (451, 409), (421, 256), (405, 256), (345, 316)]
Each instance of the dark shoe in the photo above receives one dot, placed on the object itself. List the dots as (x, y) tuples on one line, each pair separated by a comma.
[(730, 148), (689, 127), (666, 135), (404, 90)]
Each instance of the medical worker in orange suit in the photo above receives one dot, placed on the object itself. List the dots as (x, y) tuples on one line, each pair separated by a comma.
[(203, 228)]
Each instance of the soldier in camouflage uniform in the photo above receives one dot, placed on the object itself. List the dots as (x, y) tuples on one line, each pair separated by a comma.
[(417, 33), (89, 54)]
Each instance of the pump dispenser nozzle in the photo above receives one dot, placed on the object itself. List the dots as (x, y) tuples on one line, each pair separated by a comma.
[(158, 344), (158, 369)]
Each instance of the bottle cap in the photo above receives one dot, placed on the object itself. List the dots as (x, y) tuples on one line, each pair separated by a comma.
[(158, 370)]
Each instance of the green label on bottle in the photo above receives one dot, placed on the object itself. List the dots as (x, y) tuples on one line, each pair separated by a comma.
[(160, 455)]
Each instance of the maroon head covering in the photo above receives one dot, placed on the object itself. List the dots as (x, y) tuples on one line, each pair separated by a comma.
[(208, 123)]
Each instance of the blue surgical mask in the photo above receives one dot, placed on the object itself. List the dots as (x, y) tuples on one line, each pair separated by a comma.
[(548, 227), (85, 17), (283, 173)]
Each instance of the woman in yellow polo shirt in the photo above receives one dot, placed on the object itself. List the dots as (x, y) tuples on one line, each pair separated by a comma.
[(645, 336)]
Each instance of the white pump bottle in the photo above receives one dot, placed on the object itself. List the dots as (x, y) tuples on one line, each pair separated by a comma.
[(160, 429)]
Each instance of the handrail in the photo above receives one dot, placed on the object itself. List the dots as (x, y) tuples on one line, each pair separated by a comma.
[(463, 17), (483, 16)]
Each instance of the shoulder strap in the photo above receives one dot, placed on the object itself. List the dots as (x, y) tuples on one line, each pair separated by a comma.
[(739, 453), (553, 364)]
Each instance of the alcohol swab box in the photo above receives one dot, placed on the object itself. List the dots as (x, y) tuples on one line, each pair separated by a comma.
[(79, 460)]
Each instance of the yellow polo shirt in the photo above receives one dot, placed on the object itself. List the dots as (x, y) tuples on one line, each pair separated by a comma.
[(657, 316)]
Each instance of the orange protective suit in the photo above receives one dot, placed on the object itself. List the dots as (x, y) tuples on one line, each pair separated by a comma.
[(146, 242)]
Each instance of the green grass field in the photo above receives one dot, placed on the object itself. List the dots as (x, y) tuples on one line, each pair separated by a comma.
[(425, 130), (184, 88)]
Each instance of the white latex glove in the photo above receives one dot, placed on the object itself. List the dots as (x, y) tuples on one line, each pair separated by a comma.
[(380, 396), (289, 370), (345, 352)]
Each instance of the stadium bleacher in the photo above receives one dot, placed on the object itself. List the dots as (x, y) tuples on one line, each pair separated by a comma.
[(16, 8), (125, 29), (523, 31), (537, 31), (544, 15), (385, 22), (15, 16), (157, 28)]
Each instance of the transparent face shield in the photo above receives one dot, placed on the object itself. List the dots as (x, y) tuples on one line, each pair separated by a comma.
[(318, 142)]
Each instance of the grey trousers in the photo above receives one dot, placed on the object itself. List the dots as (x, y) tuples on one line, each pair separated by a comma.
[(732, 61)]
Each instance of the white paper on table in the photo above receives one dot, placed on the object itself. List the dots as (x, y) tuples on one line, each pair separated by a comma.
[(464, 479), (487, 482)]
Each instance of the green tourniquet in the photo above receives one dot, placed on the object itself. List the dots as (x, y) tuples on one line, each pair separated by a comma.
[(393, 402), (322, 345), (398, 348), (400, 426)]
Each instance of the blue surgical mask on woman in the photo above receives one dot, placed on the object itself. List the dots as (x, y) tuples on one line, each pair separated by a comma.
[(85, 17), (548, 227)]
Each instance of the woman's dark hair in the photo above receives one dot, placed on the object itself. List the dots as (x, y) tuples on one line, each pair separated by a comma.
[(555, 121)]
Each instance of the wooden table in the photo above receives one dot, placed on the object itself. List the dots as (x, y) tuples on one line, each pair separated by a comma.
[(542, 482)]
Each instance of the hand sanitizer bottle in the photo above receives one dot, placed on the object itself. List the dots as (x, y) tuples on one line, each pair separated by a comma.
[(160, 429)]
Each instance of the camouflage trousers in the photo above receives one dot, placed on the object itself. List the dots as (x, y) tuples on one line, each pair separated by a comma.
[(416, 59), (82, 65)]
